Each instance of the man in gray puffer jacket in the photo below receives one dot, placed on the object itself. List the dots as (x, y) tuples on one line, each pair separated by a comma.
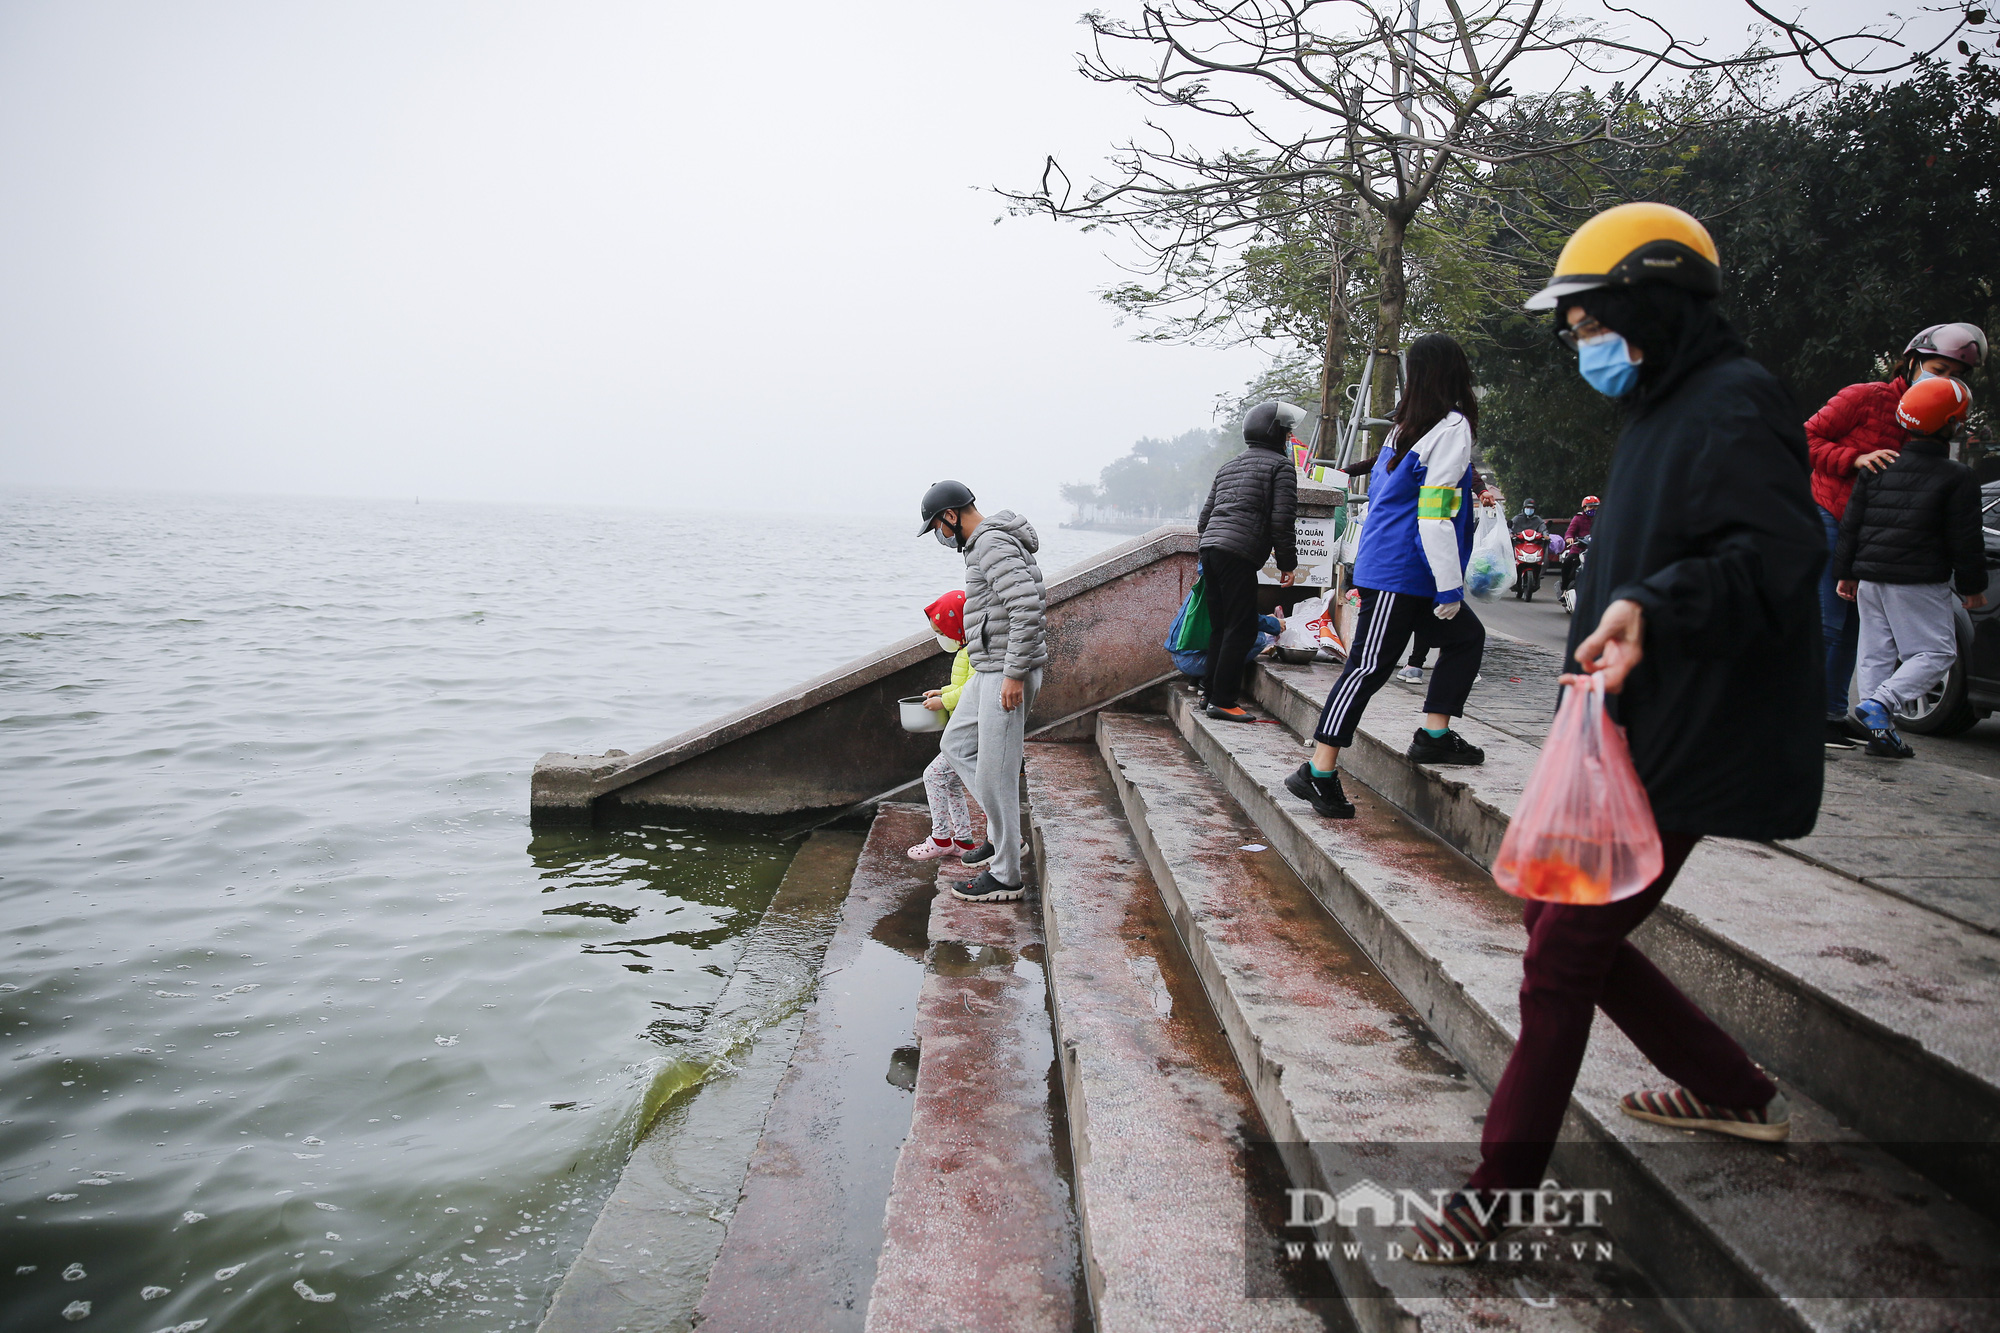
[(1006, 616)]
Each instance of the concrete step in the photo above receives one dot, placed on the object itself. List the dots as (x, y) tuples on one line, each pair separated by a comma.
[(1161, 1125), (1349, 1077), (1824, 1232), (1875, 1007), (979, 1233), (657, 1234), (802, 1246)]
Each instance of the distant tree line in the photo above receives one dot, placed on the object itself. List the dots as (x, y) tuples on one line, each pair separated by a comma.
[(1158, 481)]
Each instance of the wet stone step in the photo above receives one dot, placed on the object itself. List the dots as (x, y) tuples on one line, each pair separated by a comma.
[(1873, 1006), (1827, 1231), (979, 1232), (1353, 1083), (658, 1233), (1168, 1186), (802, 1247)]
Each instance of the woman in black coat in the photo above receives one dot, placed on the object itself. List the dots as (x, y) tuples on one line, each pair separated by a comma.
[(1700, 608)]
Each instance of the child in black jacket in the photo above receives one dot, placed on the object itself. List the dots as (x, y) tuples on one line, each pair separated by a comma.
[(1910, 533)]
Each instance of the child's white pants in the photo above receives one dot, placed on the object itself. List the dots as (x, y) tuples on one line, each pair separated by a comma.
[(949, 818), (1908, 640)]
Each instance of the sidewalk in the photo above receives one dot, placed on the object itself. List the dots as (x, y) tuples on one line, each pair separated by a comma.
[(1925, 832)]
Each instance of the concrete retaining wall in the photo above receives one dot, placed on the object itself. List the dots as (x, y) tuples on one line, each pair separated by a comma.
[(836, 740)]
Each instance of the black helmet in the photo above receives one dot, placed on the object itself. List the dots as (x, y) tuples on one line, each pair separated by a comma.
[(941, 496), (1271, 423)]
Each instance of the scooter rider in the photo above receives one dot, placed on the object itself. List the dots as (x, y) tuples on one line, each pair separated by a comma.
[(1699, 608), (1577, 540), (1586, 516), (1531, 552), (1527, 518)]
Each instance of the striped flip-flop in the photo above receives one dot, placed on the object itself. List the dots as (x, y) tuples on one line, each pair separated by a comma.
[(1458, 1236), (1681, 1109)]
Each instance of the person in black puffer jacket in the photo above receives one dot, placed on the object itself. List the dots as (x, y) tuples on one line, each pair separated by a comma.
[(1249, 515), (1910, 532)]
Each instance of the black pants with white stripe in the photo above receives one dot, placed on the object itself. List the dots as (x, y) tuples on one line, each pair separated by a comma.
[(1387, 622)]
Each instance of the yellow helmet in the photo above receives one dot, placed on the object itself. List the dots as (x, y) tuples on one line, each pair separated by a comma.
[(1630, 244)]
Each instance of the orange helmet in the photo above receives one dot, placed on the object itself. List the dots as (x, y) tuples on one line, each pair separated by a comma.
[(1589, 500), (1933, 407)]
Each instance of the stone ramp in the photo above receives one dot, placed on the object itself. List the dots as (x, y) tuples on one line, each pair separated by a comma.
[(802, 1247), (979, 1231), (1158, 1112), (640, 1260), (1816, 1232), (1862, 1000), (1349, 1076)]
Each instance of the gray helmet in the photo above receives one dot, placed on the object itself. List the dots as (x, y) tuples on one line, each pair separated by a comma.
[(941, 496), (1963, 343), (1271, 423)]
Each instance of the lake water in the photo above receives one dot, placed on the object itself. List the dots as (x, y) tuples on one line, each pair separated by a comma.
[(300, 1026)]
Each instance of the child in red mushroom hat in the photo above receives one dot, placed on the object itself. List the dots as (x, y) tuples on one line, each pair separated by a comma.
[(951, 823)]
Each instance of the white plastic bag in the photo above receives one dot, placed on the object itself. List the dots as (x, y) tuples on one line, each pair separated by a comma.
[(1309, 631), (1492, 563), (1303, 625)]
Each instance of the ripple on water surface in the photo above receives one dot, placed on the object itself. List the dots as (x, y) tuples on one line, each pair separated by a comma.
[(300, 1027)]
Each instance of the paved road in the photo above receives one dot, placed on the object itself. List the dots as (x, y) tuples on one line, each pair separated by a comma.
[(1543, 622)]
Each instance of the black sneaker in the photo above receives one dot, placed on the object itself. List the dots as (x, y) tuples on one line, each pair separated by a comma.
[(986, 889), (1450, 748), (1322, 794), (978, 856), (1836, 734)]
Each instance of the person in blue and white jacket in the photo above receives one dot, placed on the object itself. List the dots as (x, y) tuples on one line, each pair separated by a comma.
[(1410, 572)]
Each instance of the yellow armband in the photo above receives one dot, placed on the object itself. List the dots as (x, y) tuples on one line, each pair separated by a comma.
[(1438, 501)]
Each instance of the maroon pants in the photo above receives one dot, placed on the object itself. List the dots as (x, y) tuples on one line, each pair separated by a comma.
[(1579, 961)]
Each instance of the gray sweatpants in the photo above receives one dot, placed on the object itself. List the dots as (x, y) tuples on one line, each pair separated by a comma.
[(983, 742), (1907, 640)]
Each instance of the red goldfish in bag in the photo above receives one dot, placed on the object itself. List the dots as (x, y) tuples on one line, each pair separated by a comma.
[(1583, 832)]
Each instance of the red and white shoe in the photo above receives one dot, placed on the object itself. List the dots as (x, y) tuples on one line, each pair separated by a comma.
[(930, 849), (1681, 1109)]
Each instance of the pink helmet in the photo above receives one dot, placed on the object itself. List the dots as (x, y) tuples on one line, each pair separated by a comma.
[(1963, 343)]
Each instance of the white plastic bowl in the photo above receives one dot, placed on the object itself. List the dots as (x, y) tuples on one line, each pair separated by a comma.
[(916, 717)]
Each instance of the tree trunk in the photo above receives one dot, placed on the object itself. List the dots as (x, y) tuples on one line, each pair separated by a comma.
[(1336, 351), (1388, 315)]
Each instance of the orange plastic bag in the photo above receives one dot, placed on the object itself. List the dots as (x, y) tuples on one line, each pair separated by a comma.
[(1584, 831)]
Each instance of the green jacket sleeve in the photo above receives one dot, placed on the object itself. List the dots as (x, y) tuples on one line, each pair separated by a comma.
[(961, 672)]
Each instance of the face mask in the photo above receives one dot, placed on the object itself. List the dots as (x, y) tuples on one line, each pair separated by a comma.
[(1607, 366), (945, 539), (949, 644), (1922, 375)]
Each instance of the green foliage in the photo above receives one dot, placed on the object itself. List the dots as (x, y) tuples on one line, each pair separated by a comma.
[(1843, 230)]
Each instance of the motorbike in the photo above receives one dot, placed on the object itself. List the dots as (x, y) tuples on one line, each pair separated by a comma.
[(1572, 572), (1531, 547)]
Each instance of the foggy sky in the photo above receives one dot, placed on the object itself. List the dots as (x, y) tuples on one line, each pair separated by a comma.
[(628, 253)]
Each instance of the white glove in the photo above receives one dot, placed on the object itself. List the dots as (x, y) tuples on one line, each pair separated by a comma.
[(1446, 610)]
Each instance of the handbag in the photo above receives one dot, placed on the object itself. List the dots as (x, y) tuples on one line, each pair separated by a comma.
[(1190, 629)]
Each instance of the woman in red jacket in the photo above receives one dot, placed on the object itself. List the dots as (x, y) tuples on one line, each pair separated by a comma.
[(1857, 430)]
